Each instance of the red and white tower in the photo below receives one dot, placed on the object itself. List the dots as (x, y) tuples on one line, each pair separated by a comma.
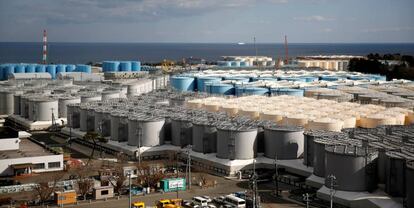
[(44, 60)]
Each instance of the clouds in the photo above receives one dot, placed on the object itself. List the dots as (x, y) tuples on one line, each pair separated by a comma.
[(388, 29), (315, 18)]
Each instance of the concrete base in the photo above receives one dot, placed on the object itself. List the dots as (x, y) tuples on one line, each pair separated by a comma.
[(207, 162), (35, 125), (315, 181), (361, 199)]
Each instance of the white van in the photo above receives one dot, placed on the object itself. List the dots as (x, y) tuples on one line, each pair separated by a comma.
[(200, 201), (235, 201)]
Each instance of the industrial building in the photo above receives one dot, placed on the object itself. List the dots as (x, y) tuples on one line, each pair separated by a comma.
[(333, 63), (24, 156)]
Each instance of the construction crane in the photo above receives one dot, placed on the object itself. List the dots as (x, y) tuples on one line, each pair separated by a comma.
[(167, 66)]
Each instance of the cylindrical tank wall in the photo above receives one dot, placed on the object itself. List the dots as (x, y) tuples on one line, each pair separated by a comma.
[(181, 132), (319, 159), (283, 142), (204, 138), (236, 145), (44, 108), (146, 133), (63, 102), (409, 175), (395, 171), (308, 150)]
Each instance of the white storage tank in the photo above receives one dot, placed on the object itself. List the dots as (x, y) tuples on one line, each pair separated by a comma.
[(63, 102), (103, 121), (145, 131), (90, 97), (236, 142), (44, 108), (119, 126)]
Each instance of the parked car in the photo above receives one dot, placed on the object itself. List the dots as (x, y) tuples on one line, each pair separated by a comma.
[(209, 200)]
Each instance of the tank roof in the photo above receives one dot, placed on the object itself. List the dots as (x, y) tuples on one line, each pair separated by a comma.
[(284, 128)]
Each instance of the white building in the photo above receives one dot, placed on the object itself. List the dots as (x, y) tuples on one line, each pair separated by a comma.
[(334, 63), (23, 156)]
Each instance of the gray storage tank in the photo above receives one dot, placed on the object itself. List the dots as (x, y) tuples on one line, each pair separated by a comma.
[(204, 136), (44, 108), (395, 174), (119, 126), (73, 115), (103, 121), (319, 156), (283, 141), (409, 175), (349, 165), (181, 131), (309, 136), (236, 142), (145, 131), (87, 119), (90, 97)]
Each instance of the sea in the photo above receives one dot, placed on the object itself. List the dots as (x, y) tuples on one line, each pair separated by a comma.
[(81, 53)]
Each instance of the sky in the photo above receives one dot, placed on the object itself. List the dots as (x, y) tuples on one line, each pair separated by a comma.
[(208, 21)]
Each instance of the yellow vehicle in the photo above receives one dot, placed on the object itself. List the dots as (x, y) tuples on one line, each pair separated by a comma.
[(138, 204), (169, 203)]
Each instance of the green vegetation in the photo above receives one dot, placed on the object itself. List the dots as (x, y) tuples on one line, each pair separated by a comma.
[(394, 66)]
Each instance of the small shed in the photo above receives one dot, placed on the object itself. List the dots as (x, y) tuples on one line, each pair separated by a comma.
[(103, 192), (65, 197)]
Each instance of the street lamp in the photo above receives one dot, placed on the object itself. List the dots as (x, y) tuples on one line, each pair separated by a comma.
[(130, 194), (332, 180), (189, 165)]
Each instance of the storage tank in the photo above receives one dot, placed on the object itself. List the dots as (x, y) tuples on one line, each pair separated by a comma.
[(51, 69), (119, 126), (24, 106), (73, 115), (70, 68), (319, 145), (103, 120), (43, 108), (182, 84), (236, 142), (7, 70), (287, 91), (112, 94), (28, 76), (83, 68), (60, 68), (350, 165), (83, 117), (63, 102), (395, 183), (40, 68), (20, 68), (308, 150), (110, 66), (181, 131), (16, 103), (6, 102), (204, 136), (125, 66), (409, 175), (145, 131), (238, 79), (201, 82), (221, 89), (90, 97), (135, 66), (285, 142), (245, 91), (30, 68)]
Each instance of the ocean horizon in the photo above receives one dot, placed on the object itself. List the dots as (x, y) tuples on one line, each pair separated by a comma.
[(84, 52)]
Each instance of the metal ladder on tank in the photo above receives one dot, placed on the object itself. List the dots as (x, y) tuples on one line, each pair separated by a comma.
[(139, 135)]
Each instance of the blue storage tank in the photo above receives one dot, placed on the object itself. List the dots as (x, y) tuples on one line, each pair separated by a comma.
[(294, 79), (221, 89), (329, 78), (244, 64), (70, 68), (30, 68), (264, 78), (135, 66), (311, 79), (51, 69), (110, 66), (355, 77), (240, 79), (201, 81), (182, 83), (235, 63), (125, 66), (83, 68), (60, 68), (20, 68), (2, 67), (288, 91), (40, 68), (224, 63), (379, 78), (8, 70), (240, 91)]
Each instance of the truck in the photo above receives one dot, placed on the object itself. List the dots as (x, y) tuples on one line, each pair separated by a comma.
[(169, 203), (138, 204)]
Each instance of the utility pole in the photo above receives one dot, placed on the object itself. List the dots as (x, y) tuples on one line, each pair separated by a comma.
[(130, 194), (332, 180), (139, 135), (188, 168)]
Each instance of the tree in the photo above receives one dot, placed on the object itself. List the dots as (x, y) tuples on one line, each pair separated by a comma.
[(95, 138), (85, 183), (47, 186)]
